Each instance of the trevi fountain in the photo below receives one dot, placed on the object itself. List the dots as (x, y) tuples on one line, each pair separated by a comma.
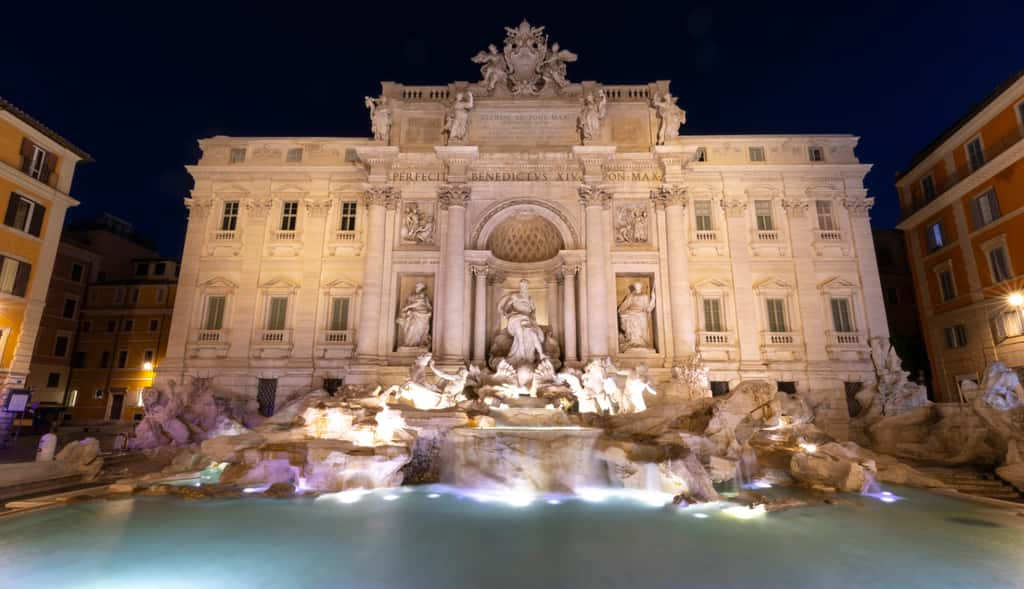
[(531, 467)]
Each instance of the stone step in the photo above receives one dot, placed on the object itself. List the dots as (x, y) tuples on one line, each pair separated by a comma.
[(975, 482)]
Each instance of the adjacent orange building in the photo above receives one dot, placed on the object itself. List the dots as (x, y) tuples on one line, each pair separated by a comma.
[(36, 169), (963, 217)]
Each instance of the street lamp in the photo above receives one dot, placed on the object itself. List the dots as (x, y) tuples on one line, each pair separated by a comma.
[(1015, 300), (149, 365)]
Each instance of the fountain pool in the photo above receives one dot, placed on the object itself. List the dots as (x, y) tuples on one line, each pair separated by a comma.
[(436, 537)]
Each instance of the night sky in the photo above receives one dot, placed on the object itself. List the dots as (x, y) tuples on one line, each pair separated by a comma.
[(136, 86)]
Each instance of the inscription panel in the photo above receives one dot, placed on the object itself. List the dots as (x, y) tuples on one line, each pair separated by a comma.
[(527, 127)]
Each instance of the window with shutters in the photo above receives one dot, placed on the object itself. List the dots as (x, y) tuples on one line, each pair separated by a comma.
[(348, 216), (141, 268), (213, 318), (1006, 324), (14, 276), (154, 325), (998, 259), (985, 208), (763, 212), (122, 359), (713, 315), (842, 318), (826, 215), (70, 306), (756, 154), (277, 310), (340, 313), (702, 215), (776, 309), (975, 154), (289, 215), (148, 355), (229, 220), (25, 215), (815, 153), (946, 285), (956, 336), (77, 271)]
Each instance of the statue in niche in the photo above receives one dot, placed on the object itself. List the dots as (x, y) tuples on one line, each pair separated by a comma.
[(493, 67), (635, 318), (417, 226), (520, 312), (670, 116), (456, 125), (380, 118), (591, 114), (631, 225), (414, 319), (552, 69)]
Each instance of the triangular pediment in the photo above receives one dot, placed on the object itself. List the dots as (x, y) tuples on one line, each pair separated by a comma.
[(836, 283), (218, 282), (773, 284)]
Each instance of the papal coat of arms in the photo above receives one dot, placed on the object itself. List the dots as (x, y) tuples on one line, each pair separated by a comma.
[(526, 65)]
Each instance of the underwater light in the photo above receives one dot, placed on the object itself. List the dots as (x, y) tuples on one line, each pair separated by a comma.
[(554, 502), (700, 515), (351, 496), (433, 496), (811, 448), (390, 497), (744, 512)]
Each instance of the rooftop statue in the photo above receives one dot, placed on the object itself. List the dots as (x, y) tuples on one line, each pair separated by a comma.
[(456, 124), (380, 118), (670, 116), (525, 65)]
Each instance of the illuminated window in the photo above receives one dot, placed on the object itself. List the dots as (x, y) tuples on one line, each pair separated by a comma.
[(826, 216), (24, 215), (935, 235)]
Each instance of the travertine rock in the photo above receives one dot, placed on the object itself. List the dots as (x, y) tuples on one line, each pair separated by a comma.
[(82, 456), (646, 467), (832, 465)]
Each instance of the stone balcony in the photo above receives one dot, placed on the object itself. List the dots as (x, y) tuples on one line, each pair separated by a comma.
[(208, 343), (272, 343), (224, 243), (284, 242), (708, 242), (781, 346), (720, 346), (336, 343), (846, 345)]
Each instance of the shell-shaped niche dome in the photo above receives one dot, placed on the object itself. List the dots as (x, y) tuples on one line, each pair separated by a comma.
[(526, 237)]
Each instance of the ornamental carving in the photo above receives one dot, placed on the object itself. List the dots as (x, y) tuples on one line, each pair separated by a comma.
[(795, 208), (318, 207), (669, 195), (631, 224), (592, 195), (858, 207), (383, 195), (199, 208), (257, 208), (453, 195), (734, 208), (526, 65)]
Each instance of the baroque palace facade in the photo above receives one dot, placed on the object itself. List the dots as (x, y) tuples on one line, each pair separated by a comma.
[(314, 261)]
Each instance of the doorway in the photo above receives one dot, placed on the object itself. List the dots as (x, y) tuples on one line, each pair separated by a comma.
[(116, 405)]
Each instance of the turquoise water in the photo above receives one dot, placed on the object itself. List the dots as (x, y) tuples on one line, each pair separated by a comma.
[(431, 538)]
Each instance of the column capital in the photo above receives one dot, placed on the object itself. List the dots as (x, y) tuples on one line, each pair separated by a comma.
[(384, 195), (734, 207), (567, 270), (795, 208), (456, 160), (593, 195), (858, 207), (495, 277), (593, 158), (480, 270), (668, 195), (453, 195), (674, 160)]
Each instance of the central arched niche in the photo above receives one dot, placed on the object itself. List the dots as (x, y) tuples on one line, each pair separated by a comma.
[(525, 237)]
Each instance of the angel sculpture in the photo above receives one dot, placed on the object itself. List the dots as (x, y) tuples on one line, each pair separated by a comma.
[(493, 67), (380, 117), (553, 67)]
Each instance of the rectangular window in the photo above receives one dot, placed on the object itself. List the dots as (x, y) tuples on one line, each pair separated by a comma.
[(37, 163), (289, 215), (122, 359), (141, 268), (154, 325), (105, 359), (111, 326), (214, 317), (24, 215), (86, 326), (160, 268), (78, 360), (936, 236), (776, 315), (702, 215), (76, 272), (53, 380), (128, 325), (276, 312), (701, 155), (719, 388), (956, 336), (148, 355), (237, 155), (756, 154), (946, 285), (161, 295), (985, 208), (826, 218), (14, 276), (763, 212), (135, 296), (842, 319), (999, 264), (348, 216), (229, 220), (70, 306), (815, 154), (928, 188), (294, 155), (1006, 324), (975, 154), (60, 346), (339, 313), (713, 315)]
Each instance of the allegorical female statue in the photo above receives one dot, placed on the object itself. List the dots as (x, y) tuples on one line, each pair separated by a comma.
[(669, 115), (457, 124), (380, 118), (520, 312), (414, 319), (635, 318), (592, 112)]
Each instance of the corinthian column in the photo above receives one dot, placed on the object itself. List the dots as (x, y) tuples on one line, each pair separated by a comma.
[(596, 200), (453, 199), (377, 199), (480, 314), (673, 199), (569, 309)]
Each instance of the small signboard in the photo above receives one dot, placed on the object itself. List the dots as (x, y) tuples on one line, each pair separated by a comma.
[(17, 400)]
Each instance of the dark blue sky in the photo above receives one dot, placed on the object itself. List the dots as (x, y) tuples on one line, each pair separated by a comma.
[(136, 86)]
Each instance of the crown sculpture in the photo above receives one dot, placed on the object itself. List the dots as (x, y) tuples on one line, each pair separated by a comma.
[(526, 65)]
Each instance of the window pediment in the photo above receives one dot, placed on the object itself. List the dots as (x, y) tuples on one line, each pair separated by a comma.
[(837, 285), (280, 285)]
